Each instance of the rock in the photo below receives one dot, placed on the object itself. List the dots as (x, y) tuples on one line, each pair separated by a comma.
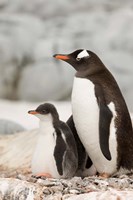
[(16, 150), (50, 9), (51, 81), (110, 195), (14, 189), (10, 127), (6, 81), (74, 191), (17, 36)]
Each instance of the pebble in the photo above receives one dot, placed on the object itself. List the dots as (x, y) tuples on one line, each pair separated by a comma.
[(47, 191), (74, 191), (58, 188), (47, 183)]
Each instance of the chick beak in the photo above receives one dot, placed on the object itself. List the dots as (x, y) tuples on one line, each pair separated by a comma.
[(33, 112)]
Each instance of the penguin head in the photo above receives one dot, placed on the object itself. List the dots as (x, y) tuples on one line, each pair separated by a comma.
[(82, 60), (45, 112)]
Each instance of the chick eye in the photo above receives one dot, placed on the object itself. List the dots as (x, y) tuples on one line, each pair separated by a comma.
[(78, 59), (44, 111)]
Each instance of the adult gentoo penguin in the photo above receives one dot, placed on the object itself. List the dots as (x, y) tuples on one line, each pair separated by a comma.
[(55, 153), (100, 113)]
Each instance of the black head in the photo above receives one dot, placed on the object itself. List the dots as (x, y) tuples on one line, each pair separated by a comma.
[(44, 111), (46, 108), (83, 61)]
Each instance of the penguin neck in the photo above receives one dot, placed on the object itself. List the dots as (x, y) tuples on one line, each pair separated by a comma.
[(91, 69), (89, 72), (46, 127), (49, 124)]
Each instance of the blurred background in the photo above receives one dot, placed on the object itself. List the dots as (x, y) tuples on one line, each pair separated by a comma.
[(31, 31)]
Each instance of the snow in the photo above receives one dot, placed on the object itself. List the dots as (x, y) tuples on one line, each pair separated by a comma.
[(17, 111)]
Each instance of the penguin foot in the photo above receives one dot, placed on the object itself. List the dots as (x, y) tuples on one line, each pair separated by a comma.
[(104, 175), (43, 175)]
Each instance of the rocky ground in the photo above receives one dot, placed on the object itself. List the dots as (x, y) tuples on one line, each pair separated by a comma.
[(17, 183), (20, 184)]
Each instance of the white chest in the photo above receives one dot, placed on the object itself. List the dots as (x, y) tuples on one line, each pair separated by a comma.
[(85, 109), (86, 117), (43, 158)]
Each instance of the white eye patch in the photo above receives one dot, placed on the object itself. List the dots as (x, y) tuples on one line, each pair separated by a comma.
[(83, 54)]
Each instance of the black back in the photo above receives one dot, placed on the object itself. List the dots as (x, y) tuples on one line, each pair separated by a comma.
[(59, 151), (65, 152)]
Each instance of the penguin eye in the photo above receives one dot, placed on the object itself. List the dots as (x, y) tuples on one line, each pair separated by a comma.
[(78, 59), (44, 112)]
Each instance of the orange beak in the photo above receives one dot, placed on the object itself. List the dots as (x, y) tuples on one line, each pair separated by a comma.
[(61, 57), (33, 112)]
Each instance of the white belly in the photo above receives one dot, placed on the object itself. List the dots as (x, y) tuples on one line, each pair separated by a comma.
[(43, 159), (86, 118)]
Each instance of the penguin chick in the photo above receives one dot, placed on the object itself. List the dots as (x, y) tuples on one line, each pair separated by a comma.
[(55, 153), (100, 113)]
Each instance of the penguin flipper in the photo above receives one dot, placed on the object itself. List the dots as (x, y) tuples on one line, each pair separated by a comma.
[(104, 129), (59, 152), (105, 117)]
